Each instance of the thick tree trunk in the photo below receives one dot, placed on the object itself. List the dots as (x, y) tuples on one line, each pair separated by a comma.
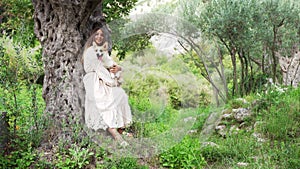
[(62, 26)]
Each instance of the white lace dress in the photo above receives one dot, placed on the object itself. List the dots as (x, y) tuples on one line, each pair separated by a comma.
[(105, 106)]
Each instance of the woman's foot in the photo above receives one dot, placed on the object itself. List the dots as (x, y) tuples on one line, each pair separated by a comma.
[(116, 135), (123, 132)]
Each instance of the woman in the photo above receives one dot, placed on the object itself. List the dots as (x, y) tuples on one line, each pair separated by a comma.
[(106, 104)]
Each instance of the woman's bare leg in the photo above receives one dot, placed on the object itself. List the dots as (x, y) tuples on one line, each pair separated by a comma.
[(114, 133)]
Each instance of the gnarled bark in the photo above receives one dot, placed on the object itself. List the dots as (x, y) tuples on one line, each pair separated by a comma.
[(62, 26)]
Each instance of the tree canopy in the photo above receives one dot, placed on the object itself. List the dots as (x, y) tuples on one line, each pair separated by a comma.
[(250, 32)]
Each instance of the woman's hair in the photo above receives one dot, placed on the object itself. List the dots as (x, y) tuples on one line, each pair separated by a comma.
[(90, 41)]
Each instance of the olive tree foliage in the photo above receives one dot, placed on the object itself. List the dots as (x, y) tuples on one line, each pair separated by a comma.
[(117, 9), (280, 32), (230, 23), (125, 44), (251, 32)]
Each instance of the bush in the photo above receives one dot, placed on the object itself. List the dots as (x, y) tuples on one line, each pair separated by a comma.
[(186, 154)]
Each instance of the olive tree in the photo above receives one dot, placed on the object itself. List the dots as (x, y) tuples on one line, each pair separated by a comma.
[(250, 32), (279, 33), (62, 27)]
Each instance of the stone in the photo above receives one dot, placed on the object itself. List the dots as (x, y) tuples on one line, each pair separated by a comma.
[(234, 129), (241, 114), (227, 116), (221, 130), (242, 164)]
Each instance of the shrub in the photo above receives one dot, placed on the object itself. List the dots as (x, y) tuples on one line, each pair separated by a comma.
[(186, 154)]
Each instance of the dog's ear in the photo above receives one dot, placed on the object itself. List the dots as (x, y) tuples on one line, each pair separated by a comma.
[(105, 46)]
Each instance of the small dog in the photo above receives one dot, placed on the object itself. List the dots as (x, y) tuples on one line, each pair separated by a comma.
[(99, 52)]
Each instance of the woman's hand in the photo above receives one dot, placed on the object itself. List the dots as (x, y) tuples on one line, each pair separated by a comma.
[(114, 69)]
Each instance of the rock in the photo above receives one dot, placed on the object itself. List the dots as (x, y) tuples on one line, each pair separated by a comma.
[(227, 116), (234, 129), (242, 164), (241, 114), (210, 124), (214, 118), (220, 127), (221, 130), (207, 130)]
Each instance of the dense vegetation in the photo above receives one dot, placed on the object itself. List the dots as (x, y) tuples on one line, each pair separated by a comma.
[(165, 92)]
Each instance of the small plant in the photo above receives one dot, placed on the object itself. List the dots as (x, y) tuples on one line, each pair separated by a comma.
[(75, 157), (122, 163), (184, 155), (22, 157)]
